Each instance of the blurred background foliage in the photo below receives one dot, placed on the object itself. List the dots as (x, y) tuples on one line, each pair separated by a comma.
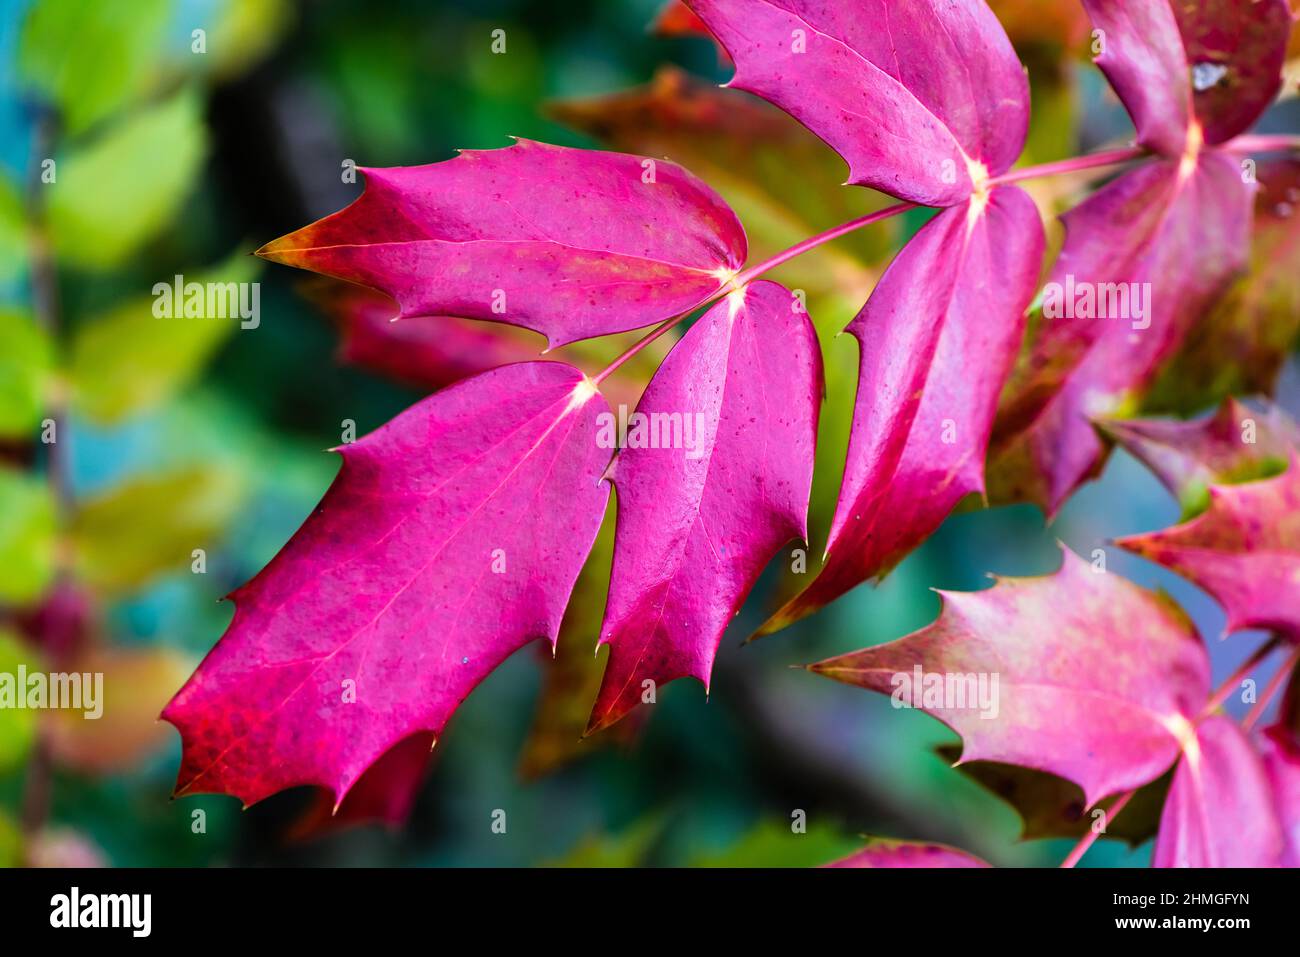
[(186, 451)]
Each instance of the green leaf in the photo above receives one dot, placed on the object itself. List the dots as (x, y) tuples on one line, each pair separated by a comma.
[(130, 360), (1051, 806), (89, 59), (11, 842), (774, 844), (25, 366), (626, 849), (27, 537), (120, 191), (146, 526), (17, 726), (13, 231), (244, 32)]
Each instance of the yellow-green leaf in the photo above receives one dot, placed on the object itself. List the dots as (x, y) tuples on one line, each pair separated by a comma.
[(130, 360), (89, 59), (13, 231), (148, 526), (11, 842), (121, 190), (27, 537), (244, 31), (775, 843), (25, 367), (17, 725)]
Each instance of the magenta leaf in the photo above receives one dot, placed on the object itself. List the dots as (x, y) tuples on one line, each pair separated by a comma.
[(451, 537), (385, 794), (1142, 57), (1244, 550), (1220, 810), (924, 99), (571, 243), (937, 339), (1081, 674), (1144, 258), (1192, 71), (714, 478), (1281, 754), (883, 853), (1235, 444), (422, 354), (1235, 50)]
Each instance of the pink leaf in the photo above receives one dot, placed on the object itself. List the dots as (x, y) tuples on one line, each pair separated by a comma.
[(451, 537), (937, 340), (1220, 810), (1235, 50), (923, 98), (1192, 71), (1168, 235), (1142, 56), (1244, 550), (1081, 674), (696, 525), (572, 243), (903, 854), (1281, 755), (1235, 444)]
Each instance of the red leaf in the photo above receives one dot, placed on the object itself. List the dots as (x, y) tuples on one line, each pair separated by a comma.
[(937, 339), (923, 98), (697, 525), (1241, 344), (1244, 550), (1168, 233), (384, 794), (572, 243), (1236, 444), (1220, 810), (451, 537), (426, 353), (903, 854), (1235, 50), (1097, 680)]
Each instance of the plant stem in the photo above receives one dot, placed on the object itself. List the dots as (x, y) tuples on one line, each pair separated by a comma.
[(1271, 689), (1236, 677), (1216, 699), (1090, 838), (812, 242), (741, 278), (1262, 144), (1073, 165), (1092, 161)]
